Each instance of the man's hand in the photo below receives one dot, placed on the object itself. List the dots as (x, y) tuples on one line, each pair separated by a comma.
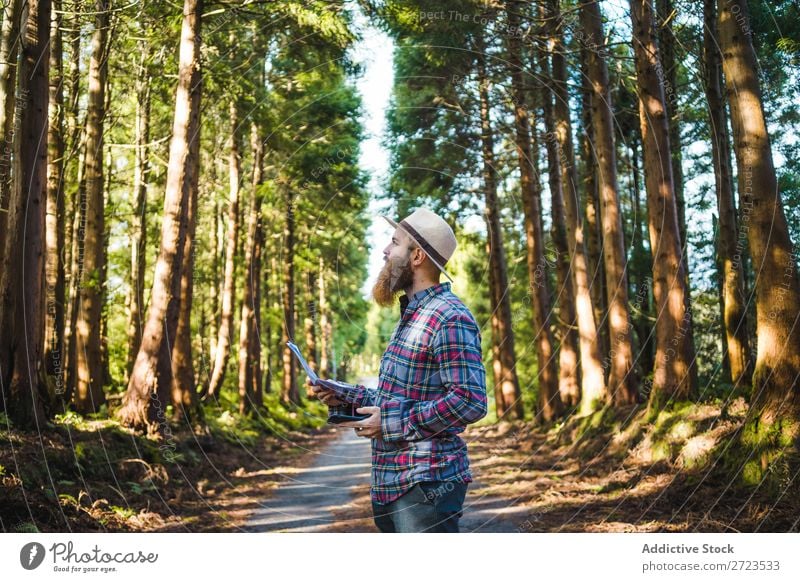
[(369, 427), (326, 396)]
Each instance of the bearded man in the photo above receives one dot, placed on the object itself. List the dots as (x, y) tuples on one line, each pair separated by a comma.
[(432, 383)]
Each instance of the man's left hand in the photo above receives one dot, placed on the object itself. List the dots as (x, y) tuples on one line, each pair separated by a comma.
[(369, 427)]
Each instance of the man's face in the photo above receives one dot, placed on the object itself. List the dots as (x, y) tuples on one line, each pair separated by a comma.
[(397, 273)]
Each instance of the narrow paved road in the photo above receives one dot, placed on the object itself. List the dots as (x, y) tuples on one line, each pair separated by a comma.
[(332, 495), (314, 499)]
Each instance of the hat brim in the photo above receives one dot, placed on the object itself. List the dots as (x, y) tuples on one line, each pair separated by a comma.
[(396, 224)]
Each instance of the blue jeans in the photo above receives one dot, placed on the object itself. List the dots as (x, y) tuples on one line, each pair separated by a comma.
[(430, 506)]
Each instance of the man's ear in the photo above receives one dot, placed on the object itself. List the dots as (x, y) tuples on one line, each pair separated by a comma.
[(418, 256)]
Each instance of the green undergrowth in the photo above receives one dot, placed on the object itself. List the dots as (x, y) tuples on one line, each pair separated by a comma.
[(275, 418), (686, 434), (5, 422), (768, 455), (93, 473), (714, 438)]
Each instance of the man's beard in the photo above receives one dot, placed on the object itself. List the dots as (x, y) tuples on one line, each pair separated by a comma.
[(395, 276)]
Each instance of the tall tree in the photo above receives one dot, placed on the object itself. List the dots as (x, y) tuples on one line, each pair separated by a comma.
[(507, 392), (775, 404), (668, 74), (289, 392), (673, 376), (324, 323), (622, 383), (183, 391), (310, 320), (9, 49), (142, 406), (22, 307), (75, 191), (271, 286), (141, 170), (593, 386), (219, 254), (733, 295), (88, 368), (590, 187), (568, 372), (250, 386), (223, 346), (54, 239)]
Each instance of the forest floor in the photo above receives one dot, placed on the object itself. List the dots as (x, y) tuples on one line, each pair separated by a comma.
[(598, 474), (604, 484), (639, 479)]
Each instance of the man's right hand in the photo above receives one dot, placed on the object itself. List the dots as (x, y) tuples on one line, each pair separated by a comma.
[(326, 396)]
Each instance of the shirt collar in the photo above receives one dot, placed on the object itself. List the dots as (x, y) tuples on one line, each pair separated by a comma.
[(420, 296)]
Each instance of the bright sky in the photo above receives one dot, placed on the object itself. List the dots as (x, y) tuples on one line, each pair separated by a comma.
[(374, 53)]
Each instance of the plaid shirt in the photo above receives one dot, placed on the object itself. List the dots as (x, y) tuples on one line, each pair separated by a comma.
[(432, 384)]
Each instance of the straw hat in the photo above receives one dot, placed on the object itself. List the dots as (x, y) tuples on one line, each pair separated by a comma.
[(431, 233)]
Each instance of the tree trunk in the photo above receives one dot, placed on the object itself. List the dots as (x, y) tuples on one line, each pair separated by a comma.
[(775, 404), (310, 323), (673, 376), (22, 308), (594, 238), (139, 223), (621, 380), (324, 324), (268, 303), (216, 277), (568, 373), (249, 346), (593, 387), (289, 391), (730, 256), (257, 381), (54, 239), (223, 347), (675, 358), (725, 364), (507, 391), (72, 141), (143, 406), (642, 270), (76, 267), (667, 42), (669, 77), (76, 224), (266, 338), (9, 49), (89, 377), (184, 398), (105, 364)]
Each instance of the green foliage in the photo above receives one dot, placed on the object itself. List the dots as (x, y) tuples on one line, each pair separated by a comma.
[(122, 512), (5, 422), (71, 418), (768, 455), (276, 418), (294, 83), (432, 119), (315, 156)]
